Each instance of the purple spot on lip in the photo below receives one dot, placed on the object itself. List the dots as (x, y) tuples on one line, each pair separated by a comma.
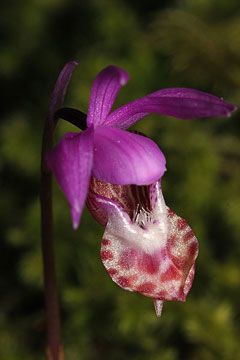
[(128, 258), (149, 263)]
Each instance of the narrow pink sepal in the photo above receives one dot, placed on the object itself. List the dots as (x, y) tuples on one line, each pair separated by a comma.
[(71, 163), (181, 103), (103, 93), (60, 88)]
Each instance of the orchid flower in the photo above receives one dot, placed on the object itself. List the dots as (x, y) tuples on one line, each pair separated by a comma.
[(146, 247), (105, 149)]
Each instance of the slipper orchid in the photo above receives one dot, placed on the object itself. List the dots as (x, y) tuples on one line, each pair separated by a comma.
[(105, 149), (146, 247)]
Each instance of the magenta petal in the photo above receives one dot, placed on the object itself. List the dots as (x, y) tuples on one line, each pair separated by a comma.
[(121, 157), (59, 91), (71, 163), (104, 91), (178, 102)]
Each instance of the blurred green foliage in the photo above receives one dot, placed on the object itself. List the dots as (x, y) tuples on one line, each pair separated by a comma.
[(161, 44)]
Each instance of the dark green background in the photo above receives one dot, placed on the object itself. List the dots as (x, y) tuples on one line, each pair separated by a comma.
[(161, 44)]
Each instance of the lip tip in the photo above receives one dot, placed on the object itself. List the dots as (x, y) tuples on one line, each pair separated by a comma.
[(158, 305)]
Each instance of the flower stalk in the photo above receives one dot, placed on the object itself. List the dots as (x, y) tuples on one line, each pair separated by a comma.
[(54, 347)]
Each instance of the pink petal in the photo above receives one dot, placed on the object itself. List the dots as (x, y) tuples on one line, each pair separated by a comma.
[(71, 162), (104, 91), (59, 91), (178, 102), (121, 157)]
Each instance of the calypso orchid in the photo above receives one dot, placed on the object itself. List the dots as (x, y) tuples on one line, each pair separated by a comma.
[(146, 247)]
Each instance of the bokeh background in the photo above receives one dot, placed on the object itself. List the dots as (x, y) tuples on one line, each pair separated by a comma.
[(190, 43)]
